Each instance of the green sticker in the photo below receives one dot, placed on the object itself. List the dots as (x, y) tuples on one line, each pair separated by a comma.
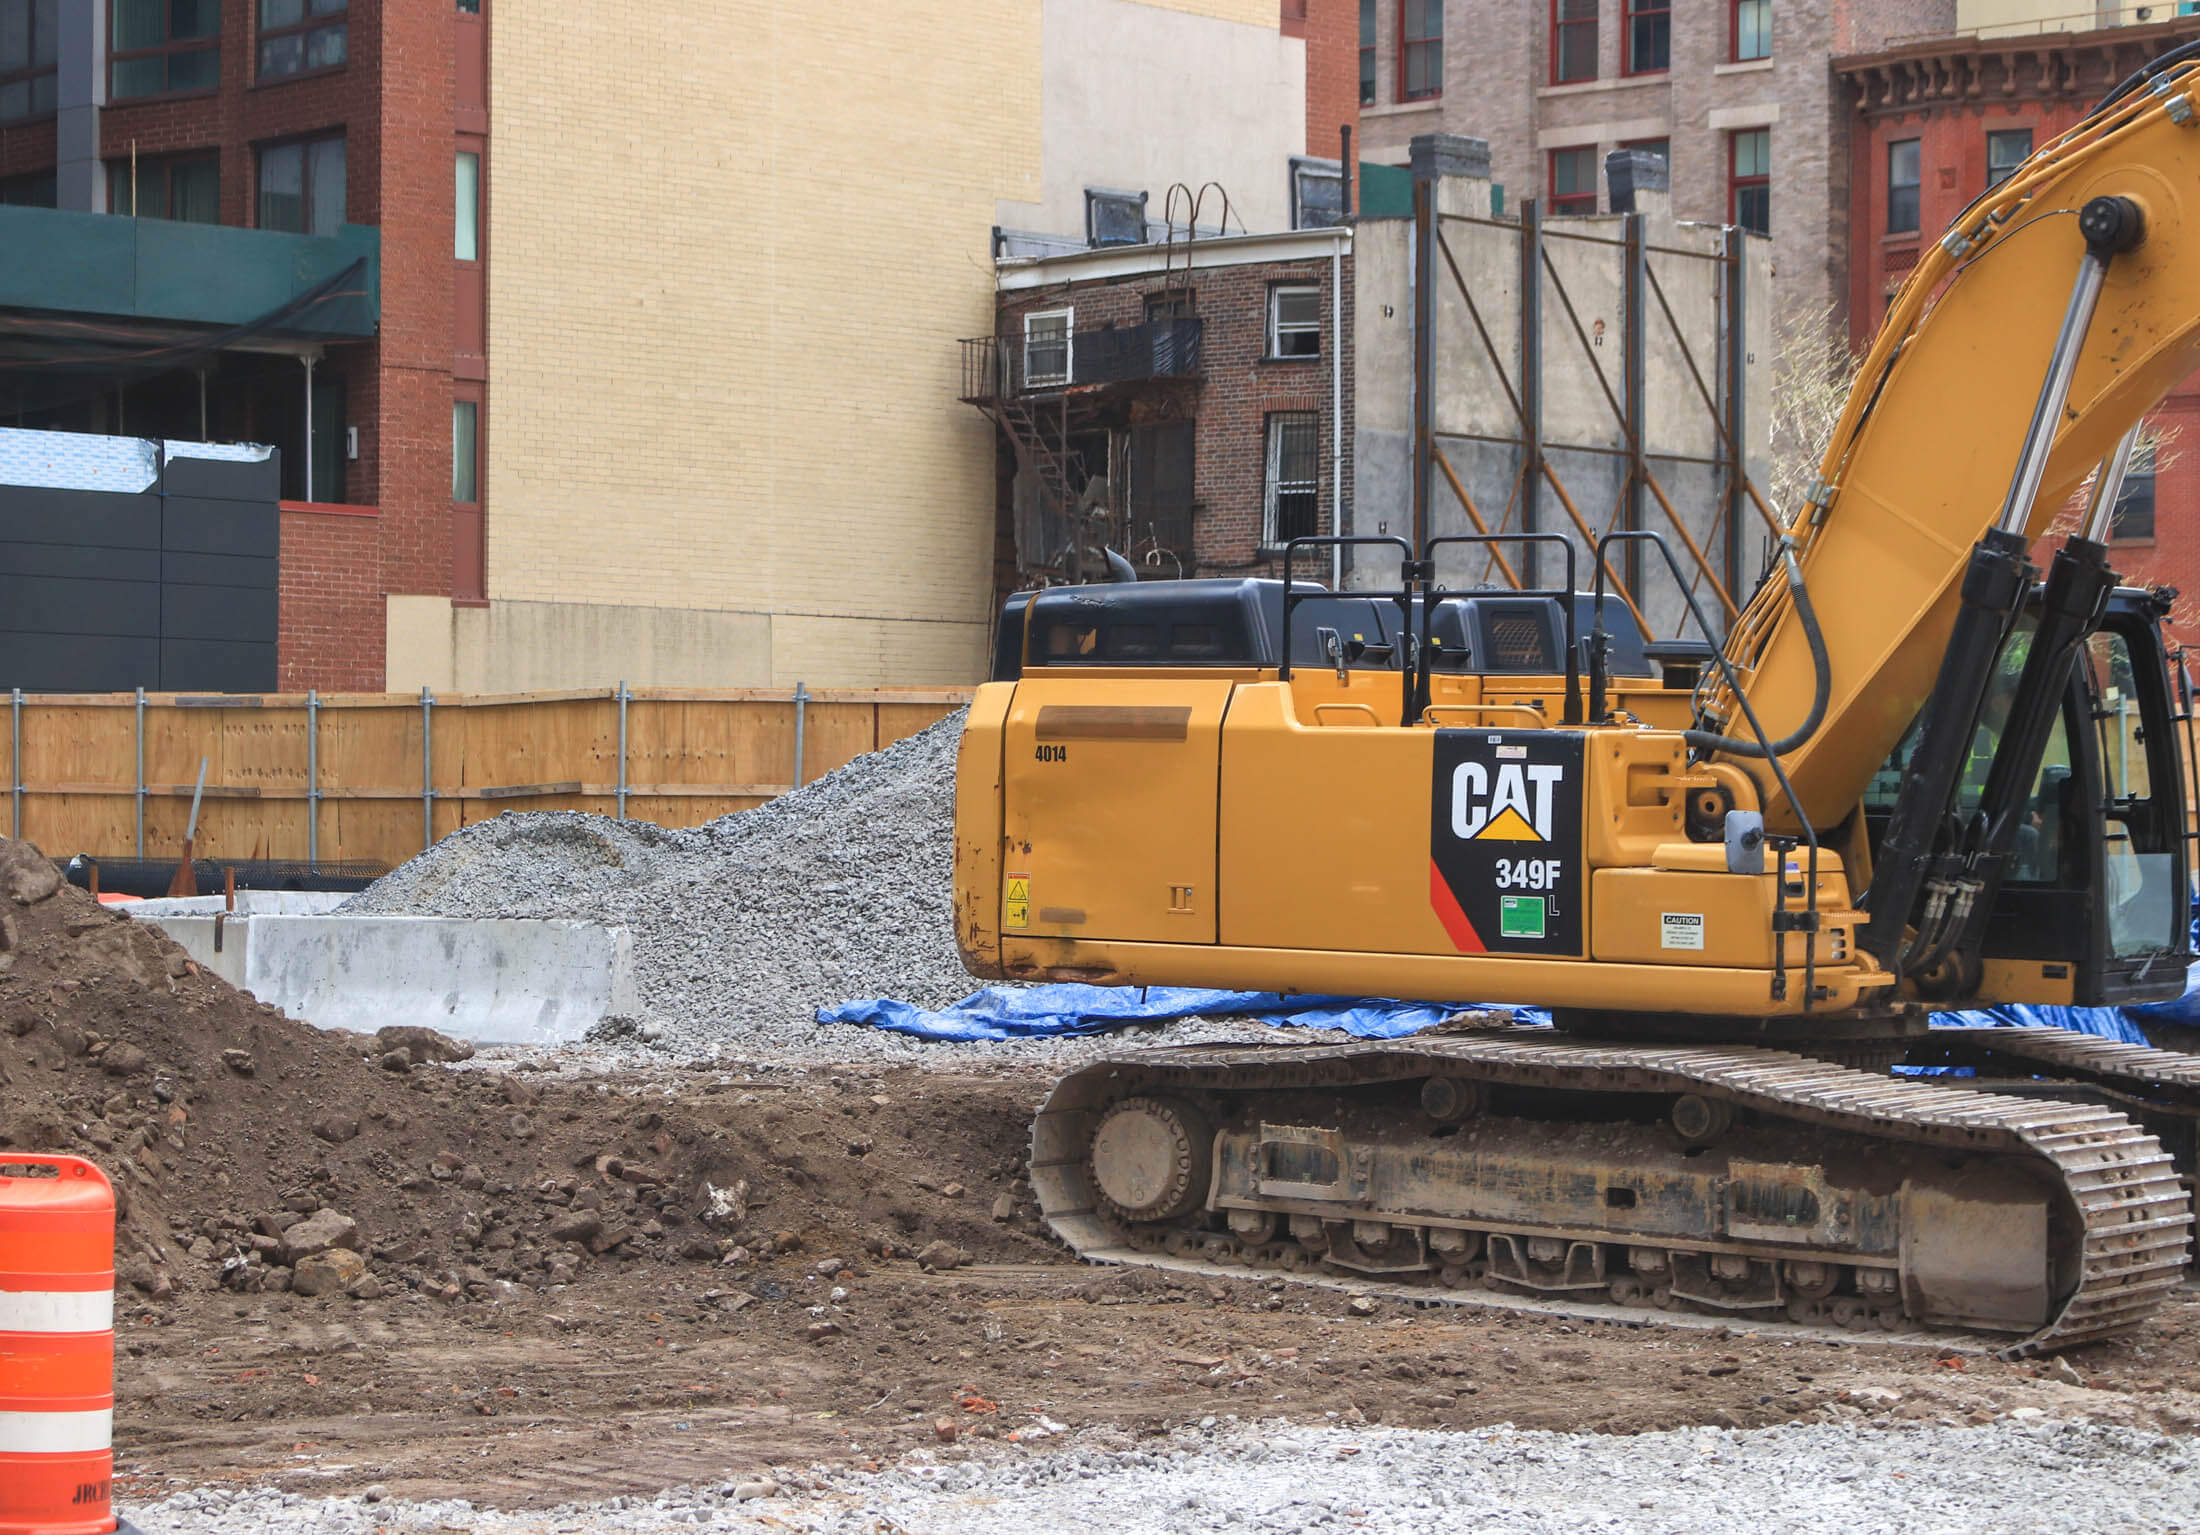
[(1520, 916)]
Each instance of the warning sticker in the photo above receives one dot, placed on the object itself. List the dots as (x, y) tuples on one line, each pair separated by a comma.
[(1016, 903), (1680, 929), (1520, 916)]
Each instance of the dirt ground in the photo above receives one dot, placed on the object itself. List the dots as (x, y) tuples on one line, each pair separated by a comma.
[(547, 1288), (642, 1373)]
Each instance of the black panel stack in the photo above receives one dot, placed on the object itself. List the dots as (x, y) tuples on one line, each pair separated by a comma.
[(172, 588)]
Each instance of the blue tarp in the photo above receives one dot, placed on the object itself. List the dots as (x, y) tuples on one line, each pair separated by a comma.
[(1033, 1012), (1036, 1012)]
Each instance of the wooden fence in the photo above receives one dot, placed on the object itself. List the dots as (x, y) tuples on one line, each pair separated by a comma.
[(377, 776)]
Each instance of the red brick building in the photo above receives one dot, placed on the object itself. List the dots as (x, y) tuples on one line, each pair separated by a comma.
[(316, 122), (1332, 32), (1942, 120), (1187, 406)]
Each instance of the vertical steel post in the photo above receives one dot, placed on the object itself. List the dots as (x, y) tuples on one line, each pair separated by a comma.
[(1733, 362), (801, 706), (307, 359), (15, 760), (1531, 386), (623, 695), (1635, 367), (313, 779), (427, 768), (141, 772), (1424, 351)]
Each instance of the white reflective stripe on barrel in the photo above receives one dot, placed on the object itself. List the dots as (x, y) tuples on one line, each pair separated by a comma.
[(57, 1310), (56, 1433)]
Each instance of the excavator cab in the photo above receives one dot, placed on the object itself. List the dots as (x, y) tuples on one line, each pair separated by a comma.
[(2095, 908)]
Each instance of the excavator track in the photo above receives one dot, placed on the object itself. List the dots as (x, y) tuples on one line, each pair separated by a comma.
[(2117, 1223)]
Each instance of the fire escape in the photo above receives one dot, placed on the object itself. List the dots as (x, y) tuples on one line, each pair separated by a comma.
[(1036, 388)]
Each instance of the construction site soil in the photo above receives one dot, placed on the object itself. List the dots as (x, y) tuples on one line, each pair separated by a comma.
[(528, 1287)]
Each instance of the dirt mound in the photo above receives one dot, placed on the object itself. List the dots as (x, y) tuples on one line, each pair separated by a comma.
[(260, 1153)]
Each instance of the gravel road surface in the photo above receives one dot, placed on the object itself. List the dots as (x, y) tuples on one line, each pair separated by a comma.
[(2008, 1478)]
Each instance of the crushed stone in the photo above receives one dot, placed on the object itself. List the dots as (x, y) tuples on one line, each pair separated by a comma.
[(2004, 1478), (745, 926)]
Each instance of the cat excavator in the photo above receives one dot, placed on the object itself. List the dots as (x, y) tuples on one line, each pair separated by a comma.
[(1918, 772)]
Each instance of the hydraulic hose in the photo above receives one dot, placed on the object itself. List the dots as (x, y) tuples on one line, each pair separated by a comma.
[(1821, 693)]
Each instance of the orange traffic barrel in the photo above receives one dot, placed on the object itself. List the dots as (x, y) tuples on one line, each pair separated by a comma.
[(57, 1346)]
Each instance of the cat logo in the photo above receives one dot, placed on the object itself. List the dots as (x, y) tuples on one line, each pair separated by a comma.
[(1517, 807)]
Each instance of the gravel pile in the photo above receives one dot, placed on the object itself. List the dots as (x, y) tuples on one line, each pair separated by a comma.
[(746, 925), (2071, 1478)]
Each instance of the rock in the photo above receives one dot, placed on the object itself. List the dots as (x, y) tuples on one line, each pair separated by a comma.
[(2063, 1371), (471, 1177), (519, 1094), (395, 1060), (700, 1247), (324, 1273), (422, 1045), (745, 1491), (239, 1061), (318, 1233), (1363, 1305), (1874, 1396), (818, 1332), (608, 1238), (952, 1190), (1004, 1208), (27, 875), (828, 1267), (374, 1494), (519, 1127), (941, 1255), (859, 1146), (276, 1222), (365, 1287), (10, 937), (943, 1429), (581, 1226), (123, 1060), (336, 1128)]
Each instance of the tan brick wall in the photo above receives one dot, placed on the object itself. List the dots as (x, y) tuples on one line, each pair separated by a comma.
[(734, 247)]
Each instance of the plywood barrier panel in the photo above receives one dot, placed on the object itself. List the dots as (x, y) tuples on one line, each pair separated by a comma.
[(834, 735)]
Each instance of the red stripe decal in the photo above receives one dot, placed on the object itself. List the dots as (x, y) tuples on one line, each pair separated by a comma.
[(1463, 936)]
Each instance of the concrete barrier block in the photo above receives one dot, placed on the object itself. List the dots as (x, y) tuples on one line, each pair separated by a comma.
[(489, 981)]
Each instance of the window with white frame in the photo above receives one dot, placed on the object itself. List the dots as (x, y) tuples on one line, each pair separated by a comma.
[(1294, 320), (1292, 506), (1046, 348)]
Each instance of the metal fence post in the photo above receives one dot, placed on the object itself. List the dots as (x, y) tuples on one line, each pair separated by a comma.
[(313, 779), (141, 772), (801, 706), (1635, 366), (1733, 360), (427, 768), (15, 762), (623, 697)]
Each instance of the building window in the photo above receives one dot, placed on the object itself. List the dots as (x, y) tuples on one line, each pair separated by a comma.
[(469, 7), (2006, 149), (1902, 185), (1367, 53), (1294, 320), (1292, 506), (1420, 49), (1573, 41), (302, 186), (1649, 36), (164, 47), (1114, 218), (1749, 179), (2134, 514), (298, 38), (1047, 348), (466, 224), (1752, 30), (28, 29), (1574, 180), (35, 189), (465, 452), (1317, 194), (186, 188)]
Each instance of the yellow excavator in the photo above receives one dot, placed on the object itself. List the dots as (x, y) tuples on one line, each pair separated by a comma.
[(1917, 773)]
